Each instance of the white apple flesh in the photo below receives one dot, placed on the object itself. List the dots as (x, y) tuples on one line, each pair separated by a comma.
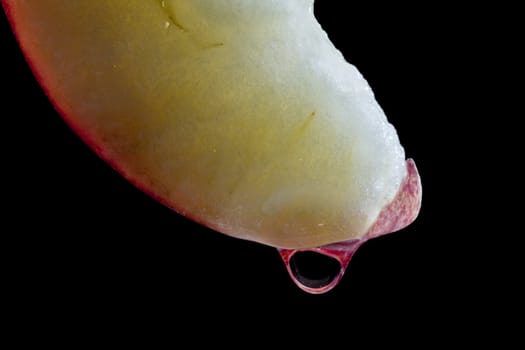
[(239, 114)]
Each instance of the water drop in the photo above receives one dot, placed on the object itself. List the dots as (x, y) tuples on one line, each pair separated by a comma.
[(314, 270), (318, 270)]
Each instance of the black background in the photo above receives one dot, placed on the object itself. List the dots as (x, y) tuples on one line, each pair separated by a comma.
[(89, 244)]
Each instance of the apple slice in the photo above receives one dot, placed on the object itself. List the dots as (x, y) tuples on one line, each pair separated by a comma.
[(239, 114)]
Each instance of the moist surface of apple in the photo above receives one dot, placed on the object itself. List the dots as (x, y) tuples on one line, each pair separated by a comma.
[(240, 114)]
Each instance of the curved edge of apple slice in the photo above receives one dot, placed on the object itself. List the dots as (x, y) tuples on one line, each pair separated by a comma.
[(86, 138), (398, 214)]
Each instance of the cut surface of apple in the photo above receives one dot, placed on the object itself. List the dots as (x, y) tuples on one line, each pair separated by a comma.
[(239, 114)]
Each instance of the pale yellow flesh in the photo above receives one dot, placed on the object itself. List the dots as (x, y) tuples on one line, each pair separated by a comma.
[(239, 114)]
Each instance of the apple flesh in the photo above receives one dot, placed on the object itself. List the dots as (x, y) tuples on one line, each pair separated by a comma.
[(239, 114)]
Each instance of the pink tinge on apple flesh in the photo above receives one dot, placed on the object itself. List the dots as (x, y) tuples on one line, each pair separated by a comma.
[(335, 257)]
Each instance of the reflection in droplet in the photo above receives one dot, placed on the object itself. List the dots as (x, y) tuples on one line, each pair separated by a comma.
[(314, 270)]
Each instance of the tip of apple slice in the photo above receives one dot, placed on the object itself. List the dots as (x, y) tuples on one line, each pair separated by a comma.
[(318, 270)]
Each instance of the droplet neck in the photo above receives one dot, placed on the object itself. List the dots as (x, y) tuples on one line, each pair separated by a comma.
[(318, 270)]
